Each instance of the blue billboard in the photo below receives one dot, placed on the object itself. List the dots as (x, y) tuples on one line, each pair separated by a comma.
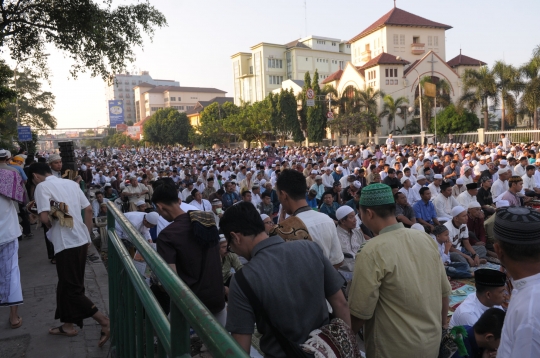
[(116, 112), (25, 133)]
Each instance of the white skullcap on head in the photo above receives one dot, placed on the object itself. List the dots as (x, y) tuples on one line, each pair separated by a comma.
[(343, 211), (437, 176), (357, 184), (457, 210), (502, 171), (264, 217), (222, 238), (140, 202), (474, 204), (459, 181), (502, 203), (404, 179), (420, 177), (152, 218), (504, 162), (418, 227)]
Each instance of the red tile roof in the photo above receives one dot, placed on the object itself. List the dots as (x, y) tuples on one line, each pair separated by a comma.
[(333, 77), (400, 18), (384, 59), (462, 60), (410, 67)]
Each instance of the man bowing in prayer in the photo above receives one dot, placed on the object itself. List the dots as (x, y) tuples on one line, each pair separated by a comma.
[(59, 203)]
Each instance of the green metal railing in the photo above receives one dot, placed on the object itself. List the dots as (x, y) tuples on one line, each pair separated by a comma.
[(136, 316)]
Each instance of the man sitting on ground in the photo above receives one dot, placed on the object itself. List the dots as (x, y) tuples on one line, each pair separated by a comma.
[(425, 212), (350, 237), (490, 287), (329, 206), (462, 250), (404, 211)]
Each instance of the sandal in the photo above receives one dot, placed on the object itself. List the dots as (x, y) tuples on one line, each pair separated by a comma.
[(17, 325), (61, 332), (104, 337)]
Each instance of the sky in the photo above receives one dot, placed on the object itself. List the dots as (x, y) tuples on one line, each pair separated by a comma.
[(196, 46)]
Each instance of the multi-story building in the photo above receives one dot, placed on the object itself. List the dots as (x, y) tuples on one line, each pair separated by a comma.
[(394, 52), (122, 88), (259, 72), (194, 114), (149, 98)]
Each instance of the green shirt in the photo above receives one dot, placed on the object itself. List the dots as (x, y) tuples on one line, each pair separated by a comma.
[(230, 260), (397, 288)]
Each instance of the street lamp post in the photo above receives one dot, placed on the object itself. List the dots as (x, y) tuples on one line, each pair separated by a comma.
[(420, 98)]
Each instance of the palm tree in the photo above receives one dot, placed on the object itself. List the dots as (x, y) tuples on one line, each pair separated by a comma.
[(442, 88), (507, 79), (530, 100), (479, 86), (390, 109), (368, 99)]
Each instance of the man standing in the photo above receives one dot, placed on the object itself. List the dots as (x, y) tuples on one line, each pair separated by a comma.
[(291, 190), (55, 162), (518, 247), (63, 200), (10, 280), (274, 274), (197, 262), (408, 323)]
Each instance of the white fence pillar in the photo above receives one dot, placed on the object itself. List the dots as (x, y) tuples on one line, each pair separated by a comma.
[(481, 135)]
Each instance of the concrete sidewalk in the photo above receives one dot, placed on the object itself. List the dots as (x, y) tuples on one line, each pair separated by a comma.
[(39, 279)]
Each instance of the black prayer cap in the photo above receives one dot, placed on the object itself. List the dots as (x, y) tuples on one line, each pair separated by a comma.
[(517, 225), (489, 278), (472, 186)]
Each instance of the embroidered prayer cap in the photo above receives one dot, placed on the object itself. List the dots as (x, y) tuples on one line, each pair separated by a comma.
[(376, 194), (472, 186), (515, 179), (54, 157), (439, 229), (152, 218), (343, 211), (456, 210), (517, 225), (474, 204), (490, 278)]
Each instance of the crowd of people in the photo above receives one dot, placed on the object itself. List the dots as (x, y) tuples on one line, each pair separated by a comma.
[(362, 237)]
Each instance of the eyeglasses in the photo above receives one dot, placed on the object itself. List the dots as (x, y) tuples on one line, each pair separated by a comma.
[(268, 223)]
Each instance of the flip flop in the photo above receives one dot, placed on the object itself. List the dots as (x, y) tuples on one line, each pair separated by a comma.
[(14, 326), (61, 332), (104, 337)]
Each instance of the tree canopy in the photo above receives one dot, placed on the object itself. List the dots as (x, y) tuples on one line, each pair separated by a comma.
[(167, 127), (211, 130), (96, 36), (455, 120), (316, 118), (284, 119)]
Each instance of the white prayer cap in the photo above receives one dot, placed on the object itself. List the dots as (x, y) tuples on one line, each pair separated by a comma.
[(343, 211), (457, 210), (222, 238), (411, 159), (437, 176), (152, 218), (357, 184), (339, 169), (502, 203), (264, 217), (418, 227), (404, 179), (314, 172), (459, 181), (503, 162), (420, 177), (140, 202), (502, 171), (474, 204)]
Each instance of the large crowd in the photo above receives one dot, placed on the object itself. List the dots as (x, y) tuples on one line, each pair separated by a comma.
[(360, 239)]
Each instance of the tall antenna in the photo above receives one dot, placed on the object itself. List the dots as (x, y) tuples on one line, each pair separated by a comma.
[(305, 16)]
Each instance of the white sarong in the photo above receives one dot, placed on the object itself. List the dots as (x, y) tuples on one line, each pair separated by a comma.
[(10, 276)]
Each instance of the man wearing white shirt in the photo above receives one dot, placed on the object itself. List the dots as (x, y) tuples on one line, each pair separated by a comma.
[(490, 292), (435, 187), (444, 203), (407, 190), (71, 240), (518, 247), (521, 168), (468, 196), (420, 183), (327, 178), (529, 183), (500, 186)]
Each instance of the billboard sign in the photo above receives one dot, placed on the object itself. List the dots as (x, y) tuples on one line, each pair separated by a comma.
[(25, 133), (121, 127), (116, 112)]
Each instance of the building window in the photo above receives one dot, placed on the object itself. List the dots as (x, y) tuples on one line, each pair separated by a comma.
[(153, 109), (321, 42), (274, 63), (193, 97), (333, 44), (180, 108), (416, 39), (341, 64), (133, 82), (275, 80), (189, 107), (435, 40), (396, 39), (173, 99), (166, 99), (179, 99), (430, 40), (402, 39)]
